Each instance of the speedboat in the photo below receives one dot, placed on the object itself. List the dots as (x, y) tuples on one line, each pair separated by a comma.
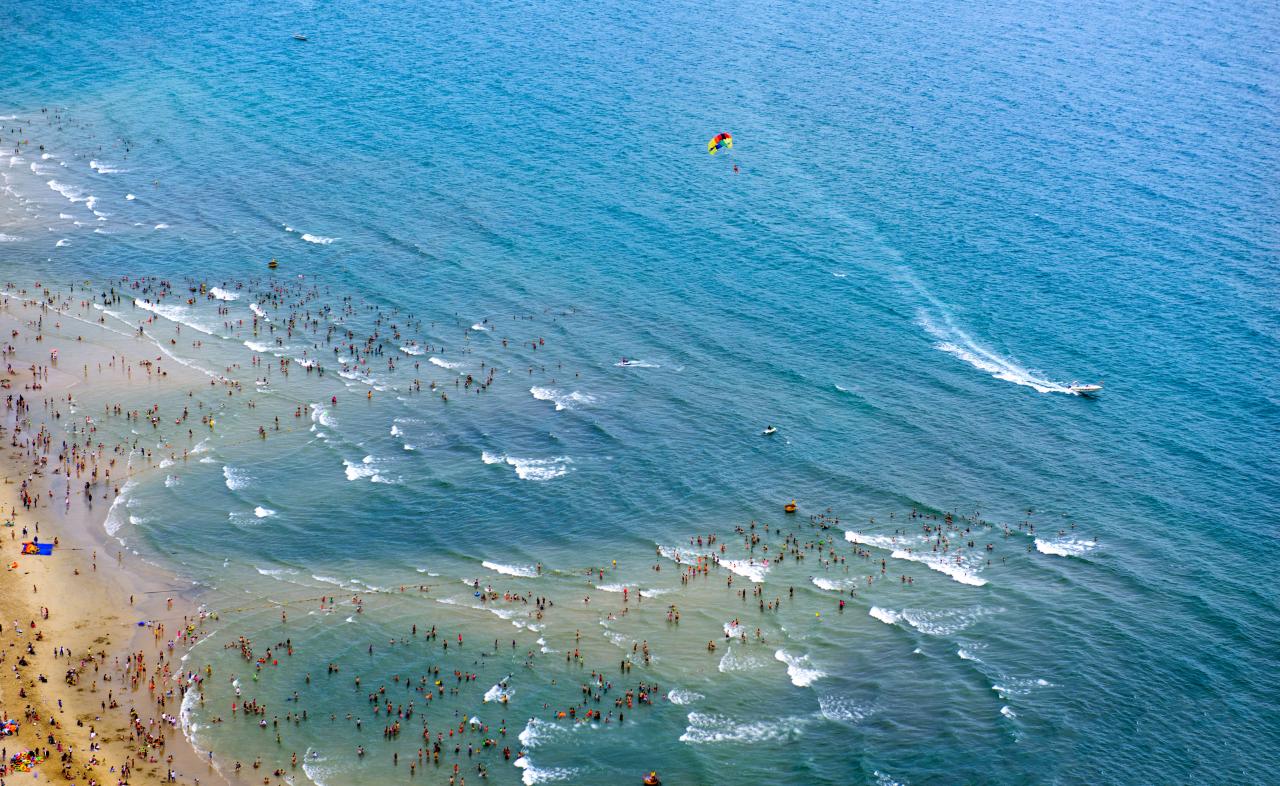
[(1084, 390), (299, 37)]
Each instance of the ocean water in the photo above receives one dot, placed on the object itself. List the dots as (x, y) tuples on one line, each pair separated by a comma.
[(942, 216)]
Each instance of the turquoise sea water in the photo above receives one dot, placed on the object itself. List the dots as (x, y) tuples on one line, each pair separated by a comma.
[(943, 216)]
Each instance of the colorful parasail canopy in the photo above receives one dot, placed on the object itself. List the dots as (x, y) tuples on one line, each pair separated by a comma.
[(720, 142)]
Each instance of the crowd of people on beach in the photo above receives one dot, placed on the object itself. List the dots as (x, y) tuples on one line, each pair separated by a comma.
[(435, 699)]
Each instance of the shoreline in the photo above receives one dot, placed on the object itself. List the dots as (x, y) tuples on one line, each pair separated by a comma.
[(97, 612)]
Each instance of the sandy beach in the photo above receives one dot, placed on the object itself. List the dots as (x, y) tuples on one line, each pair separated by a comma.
[(92, 634)]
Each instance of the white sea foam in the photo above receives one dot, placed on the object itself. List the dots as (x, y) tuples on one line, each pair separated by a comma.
[(526, 571), (884, 779), (170, 481), (63, 243), (222, 294), (944, 564), (1018, 686), (70, 193), (531, 775), (162, 226), (257, 310), (8, 238), (257, 346), (444, 363), (262, 512), (499, 692), (1067, 547), (561, 399), (236, 479), (843, 709), (887, 542), (116, 517), (633, 363), (369, 467), (705, 728), (750, 569), (887, 616), (277, 571), (538, 731), (680, 555), (734, 659), (310, 238), (413, 349), (530, 468), (1008, 713), (615, 587), (936, 622), (680, 696), (130, 197), (179, 314), (104, 169), (800, 671), (833, 584)]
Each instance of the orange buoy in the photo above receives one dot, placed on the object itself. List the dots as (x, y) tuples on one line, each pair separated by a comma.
[(790, 507)]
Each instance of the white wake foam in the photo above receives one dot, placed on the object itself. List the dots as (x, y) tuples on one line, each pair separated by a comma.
[(802, 674), (681, 696), (531, 468), (705, 728), (236, 479), (944, 564), (750, 569), (955, 341), (1068, 547), (525, 571), (222, 294), (561, 399)]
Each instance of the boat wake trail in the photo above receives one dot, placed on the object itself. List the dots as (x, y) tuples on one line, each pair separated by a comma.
[(952, 339)]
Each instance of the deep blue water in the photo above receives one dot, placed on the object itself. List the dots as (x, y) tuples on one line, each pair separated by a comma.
[(943, 215)]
